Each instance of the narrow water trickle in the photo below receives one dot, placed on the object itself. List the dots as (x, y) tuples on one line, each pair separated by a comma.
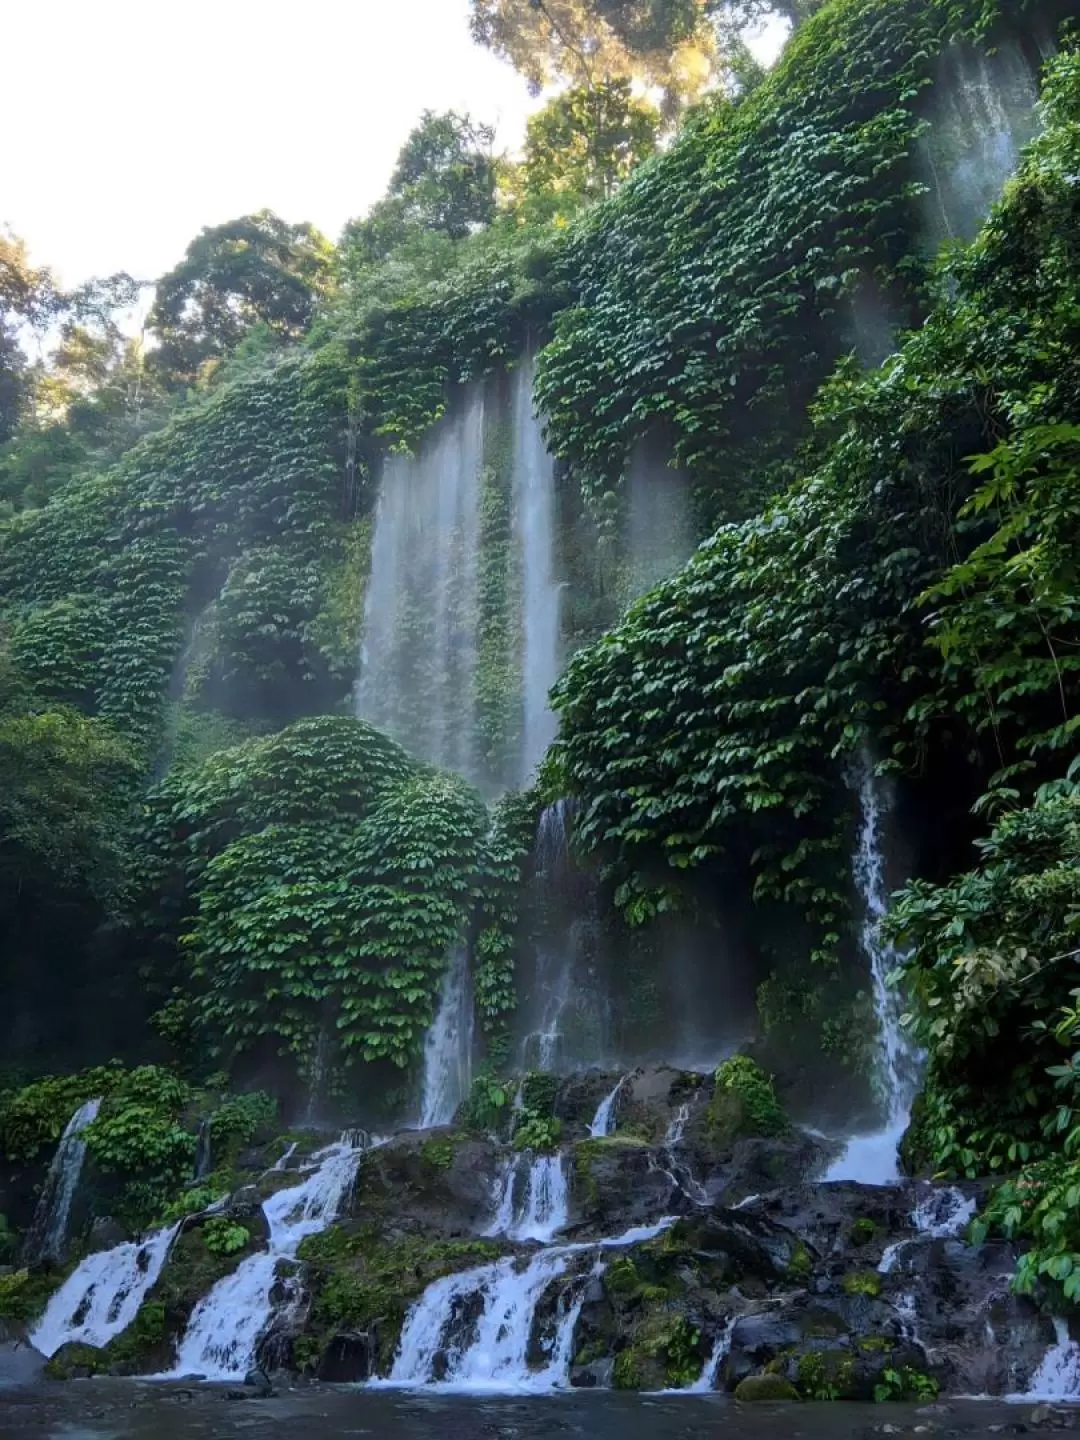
[(603, 1122), (706, 1383), (225, 1327), (48, 1231), (448, 1047), (677, 1125), (871, 1159), (102, 1296)]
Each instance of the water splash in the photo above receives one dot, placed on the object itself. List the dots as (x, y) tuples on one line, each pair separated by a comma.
[(48, 1231), (448, 1047), (225, 1327), (871, 1159), (544, 1207), (534, 507), (941, 1212), (603, 1122), (102, 1296)]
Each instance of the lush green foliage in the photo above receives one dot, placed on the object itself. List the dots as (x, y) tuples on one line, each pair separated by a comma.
[(325, 879), (223, 1236), (742, 1081), (718, 289)]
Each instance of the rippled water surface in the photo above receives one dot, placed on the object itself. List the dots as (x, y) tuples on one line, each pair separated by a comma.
[(126, 1410)]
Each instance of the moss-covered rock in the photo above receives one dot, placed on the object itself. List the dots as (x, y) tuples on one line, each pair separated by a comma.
[(765, 1387)]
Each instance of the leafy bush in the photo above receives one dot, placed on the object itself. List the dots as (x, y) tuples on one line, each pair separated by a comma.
[(486, 1105), (744, 1079), (536, 1132), (222, 1236), (906, 1384)]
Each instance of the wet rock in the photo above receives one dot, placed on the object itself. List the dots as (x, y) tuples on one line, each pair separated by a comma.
[(596, 1376), (20, 1364), (349, 1358), (74, 1362), (258, 1381), (616, 1183), (105, 1234), (438, 1182), (766, 1388), (756, 1340)]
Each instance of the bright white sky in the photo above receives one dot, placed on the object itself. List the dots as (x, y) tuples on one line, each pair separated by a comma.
[(146, 120)]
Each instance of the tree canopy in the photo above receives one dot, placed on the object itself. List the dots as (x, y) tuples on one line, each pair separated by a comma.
[(252, 270)]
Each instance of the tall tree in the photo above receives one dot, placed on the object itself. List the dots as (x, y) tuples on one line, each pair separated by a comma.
[(677, 45), (256, 269), (583, 144), (443, 184)]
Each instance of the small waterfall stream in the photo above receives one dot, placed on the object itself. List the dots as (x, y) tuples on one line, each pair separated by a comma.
[(543, 1209), (440, 1349), (1058, 1376), (448, 1047), (102, 1296), (871, 1158), (48, 1231), (224, 1328), (603, 1122)]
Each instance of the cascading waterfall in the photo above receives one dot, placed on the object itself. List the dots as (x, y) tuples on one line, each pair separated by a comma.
[(544, 1207), (448, 1047), (534, 515), (48, 1231), (102, 1296), (871, 1159), (554, 961), (223, 1332), (941, 1213), (492, 1354), (984, 110), (677, 1125), (706, 1383), (418, 655), (603, 1122), (1058, 1375)]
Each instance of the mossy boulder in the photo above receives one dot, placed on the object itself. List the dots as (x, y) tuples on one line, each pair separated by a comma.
[(437, 1183), (765, 1388), (615, 1184), (76, 1362), (361, 1285)]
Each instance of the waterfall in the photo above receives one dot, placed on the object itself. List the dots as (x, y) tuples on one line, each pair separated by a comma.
[(1058, 1375), (448, 1047), (554, 954), (544, 1209), (534, 514), (604, 1120), (871, 1158), (102, 1296), (940, 1214), (658, 533), (677, 1126), (224, 1329), (706, 1384), (418, 655), (48, 1230), (983, 110), (492, 1352)]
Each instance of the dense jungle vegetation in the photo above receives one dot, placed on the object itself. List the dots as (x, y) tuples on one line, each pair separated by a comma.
[(208, 867)]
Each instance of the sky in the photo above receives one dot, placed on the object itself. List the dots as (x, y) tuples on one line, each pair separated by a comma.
[(150, 119)]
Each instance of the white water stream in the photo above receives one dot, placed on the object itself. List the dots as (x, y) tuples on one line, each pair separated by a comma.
[(603, 1123), (48, 1231), (871, 1158), (543, 1208), (224, 1329), (448, 1047), (102, 1296), (492, 1355)]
